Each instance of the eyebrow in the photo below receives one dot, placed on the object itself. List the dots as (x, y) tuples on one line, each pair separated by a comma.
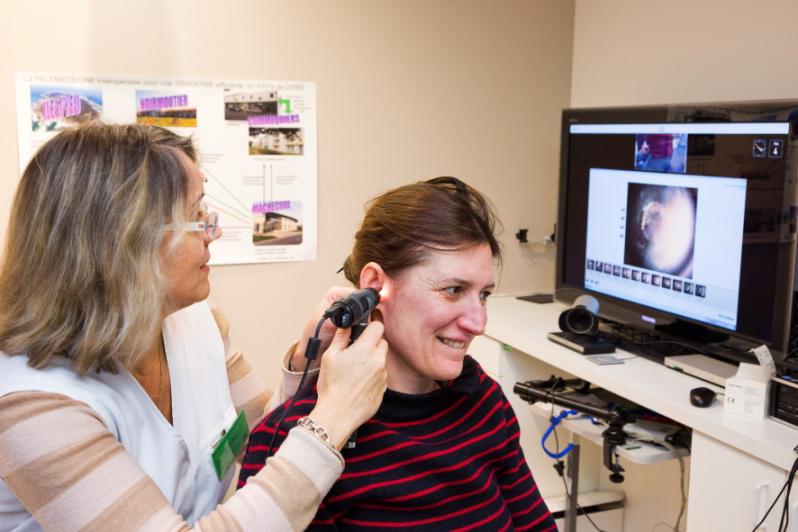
[(455, 280)]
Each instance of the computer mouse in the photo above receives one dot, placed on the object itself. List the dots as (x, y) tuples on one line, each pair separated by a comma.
[(701, 397)]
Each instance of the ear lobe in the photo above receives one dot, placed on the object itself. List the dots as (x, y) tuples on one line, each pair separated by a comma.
[(372, 276)]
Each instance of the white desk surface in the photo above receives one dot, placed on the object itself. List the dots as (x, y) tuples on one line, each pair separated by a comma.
[(524, 325)]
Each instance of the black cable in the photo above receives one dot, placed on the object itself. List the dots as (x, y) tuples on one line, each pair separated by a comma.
[(788, 482), (311, 350), (785, 513)]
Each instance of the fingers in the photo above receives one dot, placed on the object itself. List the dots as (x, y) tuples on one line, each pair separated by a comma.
[(370, 337), (340, 340)]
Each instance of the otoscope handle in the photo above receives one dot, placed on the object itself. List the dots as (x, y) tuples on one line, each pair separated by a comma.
[(357, 329)]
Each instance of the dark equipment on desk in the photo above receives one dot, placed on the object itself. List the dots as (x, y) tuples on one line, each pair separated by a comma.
[(702, 397), (783, 403), (550, 391), (582, 343), (579, 320), (580, 328)]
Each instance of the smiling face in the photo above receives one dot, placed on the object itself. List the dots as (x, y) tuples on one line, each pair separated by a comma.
[(185, 264), (432, 312)]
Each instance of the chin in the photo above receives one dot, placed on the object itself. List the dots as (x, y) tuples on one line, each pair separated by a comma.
[(449, 370)]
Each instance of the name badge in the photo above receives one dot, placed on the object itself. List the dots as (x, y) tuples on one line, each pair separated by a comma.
[(230, 445)]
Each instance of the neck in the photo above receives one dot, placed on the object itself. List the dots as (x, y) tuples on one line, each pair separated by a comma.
[(153, 376), (404, 378), (150, 360)]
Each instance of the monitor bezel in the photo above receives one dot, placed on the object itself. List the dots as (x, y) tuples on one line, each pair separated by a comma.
[(641, 315)]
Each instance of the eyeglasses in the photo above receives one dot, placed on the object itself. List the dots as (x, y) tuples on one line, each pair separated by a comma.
[(209, 224)]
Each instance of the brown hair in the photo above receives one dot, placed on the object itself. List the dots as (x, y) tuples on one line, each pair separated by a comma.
[(401, 225), (81, 275)]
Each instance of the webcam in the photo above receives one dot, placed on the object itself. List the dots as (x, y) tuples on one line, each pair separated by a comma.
[(582, 317)]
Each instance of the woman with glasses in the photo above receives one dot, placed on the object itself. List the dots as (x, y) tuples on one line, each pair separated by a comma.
[(122, 405)]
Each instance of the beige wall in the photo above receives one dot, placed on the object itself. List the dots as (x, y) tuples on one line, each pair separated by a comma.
[(632, 52), (406, 90)]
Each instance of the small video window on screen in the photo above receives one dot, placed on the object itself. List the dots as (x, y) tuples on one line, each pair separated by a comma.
[(676, 241), (661, 152)]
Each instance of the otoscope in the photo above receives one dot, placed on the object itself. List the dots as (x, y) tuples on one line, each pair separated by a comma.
[(352, 311)]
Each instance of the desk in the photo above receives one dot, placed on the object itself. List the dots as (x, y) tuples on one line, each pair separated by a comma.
[(738, 464)]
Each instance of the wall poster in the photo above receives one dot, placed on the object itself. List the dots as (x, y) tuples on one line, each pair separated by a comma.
[(256, 142)]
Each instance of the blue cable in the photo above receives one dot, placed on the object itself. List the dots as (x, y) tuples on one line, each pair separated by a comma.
[(552, 425)]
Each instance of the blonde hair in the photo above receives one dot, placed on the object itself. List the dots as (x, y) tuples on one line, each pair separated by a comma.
[(81, 275)]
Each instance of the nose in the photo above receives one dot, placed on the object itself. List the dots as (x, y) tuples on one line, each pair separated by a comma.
[(474, 316)]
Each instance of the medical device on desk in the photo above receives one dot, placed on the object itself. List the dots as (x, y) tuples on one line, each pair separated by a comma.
[(624, 419)]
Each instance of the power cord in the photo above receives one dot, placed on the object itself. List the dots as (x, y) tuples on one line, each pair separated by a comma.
[(675, 528), (785, 512), (311, 351)]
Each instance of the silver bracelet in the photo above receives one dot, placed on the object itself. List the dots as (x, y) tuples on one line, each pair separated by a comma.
[(318, 430)]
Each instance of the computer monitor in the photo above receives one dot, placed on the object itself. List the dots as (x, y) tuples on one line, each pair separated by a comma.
[(682, 217)]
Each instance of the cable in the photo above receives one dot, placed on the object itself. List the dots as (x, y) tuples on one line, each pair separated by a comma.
[(684, 494), (568, 494), (785, 511), (311, 351), (683, 505), (675, 528)]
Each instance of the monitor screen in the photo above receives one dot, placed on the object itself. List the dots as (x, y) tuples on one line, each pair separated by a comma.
[(681, 213)]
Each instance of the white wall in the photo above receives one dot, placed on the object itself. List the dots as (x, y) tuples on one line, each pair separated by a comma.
[(406, 90), (630, 52)]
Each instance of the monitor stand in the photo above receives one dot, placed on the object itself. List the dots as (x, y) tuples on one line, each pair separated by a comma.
[(692, 332)]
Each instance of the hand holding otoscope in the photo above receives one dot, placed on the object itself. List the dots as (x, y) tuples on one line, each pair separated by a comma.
[(352, 380), (332, 299), (353, 312)]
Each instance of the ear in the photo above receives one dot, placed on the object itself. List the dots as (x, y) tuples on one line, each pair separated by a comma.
[(372, 276)]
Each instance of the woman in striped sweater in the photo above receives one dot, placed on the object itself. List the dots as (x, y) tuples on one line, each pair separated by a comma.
[(442, 452), (122, 404)]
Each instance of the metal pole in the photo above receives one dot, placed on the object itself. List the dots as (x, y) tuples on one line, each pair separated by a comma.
[(571, 509)]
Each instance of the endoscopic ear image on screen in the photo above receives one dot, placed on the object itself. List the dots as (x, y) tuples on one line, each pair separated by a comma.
[(660, 228)]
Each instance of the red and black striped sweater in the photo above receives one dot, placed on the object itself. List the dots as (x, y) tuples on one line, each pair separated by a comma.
[(446, 460)]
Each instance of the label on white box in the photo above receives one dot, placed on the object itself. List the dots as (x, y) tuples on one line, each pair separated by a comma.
[(746, 397)]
